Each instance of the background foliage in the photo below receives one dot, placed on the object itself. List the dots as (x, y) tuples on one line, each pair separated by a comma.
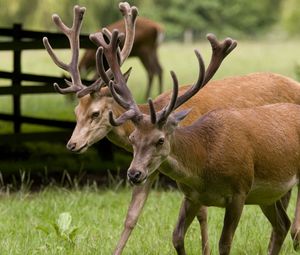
[(234, 17)]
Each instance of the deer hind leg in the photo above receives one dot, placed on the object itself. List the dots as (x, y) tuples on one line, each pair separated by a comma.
[(233, 213), (158, 71), (277, 216), (285, 202), (202, 218), (187, 213), (138, 200), (295, 229), (146, 61)]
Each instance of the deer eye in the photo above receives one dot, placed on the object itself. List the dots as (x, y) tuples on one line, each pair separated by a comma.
[(95, 115), (160, 141)]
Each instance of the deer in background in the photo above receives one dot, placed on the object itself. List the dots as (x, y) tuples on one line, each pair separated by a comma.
[(148, 36), (239, 91), (227, 158)]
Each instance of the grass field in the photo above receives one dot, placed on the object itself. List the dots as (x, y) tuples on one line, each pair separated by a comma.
[(28, 222)]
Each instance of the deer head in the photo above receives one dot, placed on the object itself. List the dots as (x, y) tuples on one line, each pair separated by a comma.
[(95, 99), (151, 139)]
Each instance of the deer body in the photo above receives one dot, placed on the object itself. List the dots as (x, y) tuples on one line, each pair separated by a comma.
[(227, 151), (148, 36), (227, 158)]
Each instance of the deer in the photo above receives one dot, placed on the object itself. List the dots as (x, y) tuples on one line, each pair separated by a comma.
[(148, 37), (92, 123), (227, 158)]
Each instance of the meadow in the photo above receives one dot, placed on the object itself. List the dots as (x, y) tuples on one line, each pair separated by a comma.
[(31, 221)]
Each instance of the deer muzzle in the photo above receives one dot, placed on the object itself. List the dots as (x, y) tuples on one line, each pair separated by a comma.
[(136, 176)]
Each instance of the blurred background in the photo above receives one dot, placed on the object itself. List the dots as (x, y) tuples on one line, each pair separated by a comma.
[(237, 18), (267, 32)]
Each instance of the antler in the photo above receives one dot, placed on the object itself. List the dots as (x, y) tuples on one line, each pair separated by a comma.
[(125, 99), (219, 52), (176, 101), (118, 87), (73, 35), (100, 38), (75, 85)]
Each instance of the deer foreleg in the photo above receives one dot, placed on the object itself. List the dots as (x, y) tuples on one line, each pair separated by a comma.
[(202, 218), (233, 213), (187, 213), (138, 200)]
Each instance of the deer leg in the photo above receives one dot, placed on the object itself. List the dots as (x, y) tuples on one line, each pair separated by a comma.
[(202, 218), (233, 213), (149, 86), (187, 213), (295, 229), (146, 61), (285, 202), (158, 71), (277, 216), (138, 200)]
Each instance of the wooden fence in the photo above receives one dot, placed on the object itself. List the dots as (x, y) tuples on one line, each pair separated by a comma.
[(18, 40)]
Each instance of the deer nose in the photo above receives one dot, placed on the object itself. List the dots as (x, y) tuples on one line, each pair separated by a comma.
[(134, 176), (71, 146)]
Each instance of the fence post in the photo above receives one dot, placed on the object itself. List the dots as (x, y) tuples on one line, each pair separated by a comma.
[(16, 81)]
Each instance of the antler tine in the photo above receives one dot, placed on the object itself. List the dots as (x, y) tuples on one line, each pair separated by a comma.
[(219, 51), (165, 112), (152, 111), (197, 86), (130, 114), (130, 15), (73, 36), (133, 113)]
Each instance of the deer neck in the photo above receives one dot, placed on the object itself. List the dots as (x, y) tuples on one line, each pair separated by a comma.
[(187, 157)]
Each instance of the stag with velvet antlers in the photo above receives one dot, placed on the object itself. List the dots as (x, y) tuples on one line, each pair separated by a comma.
[(227, 158), (95, 101)]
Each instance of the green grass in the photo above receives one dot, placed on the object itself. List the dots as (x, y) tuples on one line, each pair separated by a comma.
[(28, 219), (99, 214)]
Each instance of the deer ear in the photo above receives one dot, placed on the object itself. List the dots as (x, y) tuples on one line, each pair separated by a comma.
[(179, 116)]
